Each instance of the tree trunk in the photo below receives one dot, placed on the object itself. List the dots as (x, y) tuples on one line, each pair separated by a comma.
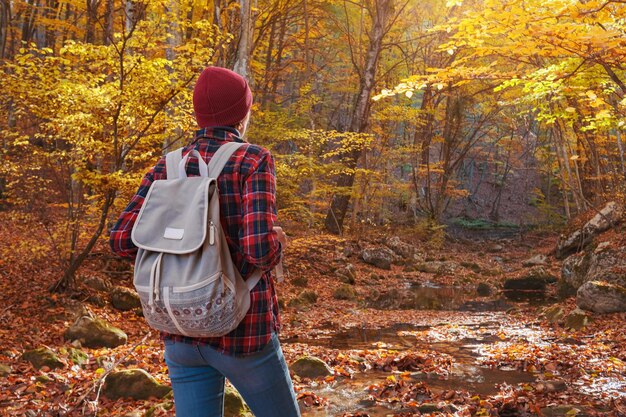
[(92, 19), (173, 41), (108, 22), (242, 62), (51, 33), (620, 147), (67, 282), (564, 180), (360, 115), (28, 22), (279, 56), (5, 19), (68, 14), (268, 66)]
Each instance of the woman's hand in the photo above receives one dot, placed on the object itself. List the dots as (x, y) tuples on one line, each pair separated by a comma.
[(282, 236)]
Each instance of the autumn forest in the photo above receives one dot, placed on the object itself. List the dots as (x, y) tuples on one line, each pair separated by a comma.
[(451, 176)]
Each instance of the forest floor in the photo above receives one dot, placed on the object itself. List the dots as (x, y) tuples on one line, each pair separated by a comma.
[(400, 342)]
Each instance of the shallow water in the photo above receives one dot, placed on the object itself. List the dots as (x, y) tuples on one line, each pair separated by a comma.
[(350, 395), (483, 325)]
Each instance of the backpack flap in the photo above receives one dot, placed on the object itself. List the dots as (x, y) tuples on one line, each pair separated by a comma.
[(174, 216)]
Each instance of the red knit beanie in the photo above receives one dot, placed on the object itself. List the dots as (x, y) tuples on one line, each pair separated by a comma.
[(221, 98)]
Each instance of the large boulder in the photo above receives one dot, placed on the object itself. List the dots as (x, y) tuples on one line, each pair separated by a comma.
[(608, 217), (537, 260), (401, 248), (95, 333), (347, 274), (310, 367), (134, 384), (529, 286), (380, 257), (607, 264), (438, 267), (97, 283), (535, 279), (124, 299), (43, 357), (601, 297), (574, 270)]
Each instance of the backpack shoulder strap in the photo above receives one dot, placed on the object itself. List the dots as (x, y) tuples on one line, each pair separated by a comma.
[(220, 158), (254, 279), (216, 165), (172, 160)]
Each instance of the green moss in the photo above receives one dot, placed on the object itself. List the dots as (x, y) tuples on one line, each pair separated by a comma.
[(308, 297), (471, 265), (77, 356), (300, 281), (482, 224), (344, 292), (43, 357)]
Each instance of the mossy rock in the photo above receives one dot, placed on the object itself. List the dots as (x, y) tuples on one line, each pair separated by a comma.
[(44, 379), (77, 356), (576, 320), (307, 297), (234, 406), (471, 265), (161, 408), (428, 408), (5, 370), (97, 283), (376, 276), (601, 297), (428, 267), (310, 367), (347, 274), (554, 314), (300, 281), (483, 289), (124, 299), (565, 411), (43, 357), (134, 384), (344, 292), (380, 257), (97, 300), (95, 333)]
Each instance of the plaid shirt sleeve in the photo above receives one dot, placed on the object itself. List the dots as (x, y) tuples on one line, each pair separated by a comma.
[(257, 239)]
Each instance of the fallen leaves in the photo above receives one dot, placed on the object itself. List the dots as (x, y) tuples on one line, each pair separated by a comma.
[(385, 362)]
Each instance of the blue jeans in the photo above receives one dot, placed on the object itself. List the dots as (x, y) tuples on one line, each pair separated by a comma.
[(262, 379)]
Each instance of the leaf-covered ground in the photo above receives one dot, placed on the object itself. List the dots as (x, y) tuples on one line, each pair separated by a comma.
[(453, 354)]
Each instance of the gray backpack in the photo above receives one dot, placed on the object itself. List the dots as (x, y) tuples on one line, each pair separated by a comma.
[(184, 273)]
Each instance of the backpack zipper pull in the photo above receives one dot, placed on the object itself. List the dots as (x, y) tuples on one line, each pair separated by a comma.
[(211, 233)]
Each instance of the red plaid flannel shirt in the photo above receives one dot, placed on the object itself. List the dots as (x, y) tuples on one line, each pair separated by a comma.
[(247, 189)]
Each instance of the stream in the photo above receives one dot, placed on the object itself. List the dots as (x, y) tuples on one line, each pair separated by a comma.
[(350, 395), (483, 324)]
